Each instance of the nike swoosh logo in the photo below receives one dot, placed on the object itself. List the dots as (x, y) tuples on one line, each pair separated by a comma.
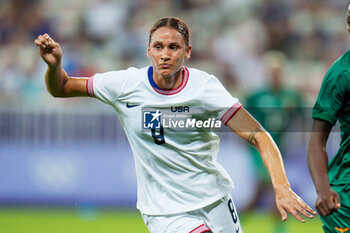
[(131, 105)]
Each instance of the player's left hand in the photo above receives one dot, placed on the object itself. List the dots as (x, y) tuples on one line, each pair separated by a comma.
[(288, 201)]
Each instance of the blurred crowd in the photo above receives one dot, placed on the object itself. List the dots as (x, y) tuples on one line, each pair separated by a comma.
[(229, 39)]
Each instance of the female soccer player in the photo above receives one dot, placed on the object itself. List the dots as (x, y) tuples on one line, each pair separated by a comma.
[(181, 187), (332, 180)]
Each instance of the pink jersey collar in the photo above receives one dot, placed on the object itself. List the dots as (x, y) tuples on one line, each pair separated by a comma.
[(168, 92)]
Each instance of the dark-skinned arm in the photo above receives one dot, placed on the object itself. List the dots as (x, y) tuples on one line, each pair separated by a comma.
[(317, 157)]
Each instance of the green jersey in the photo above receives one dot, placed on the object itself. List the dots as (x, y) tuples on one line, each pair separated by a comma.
[(274, 109), (333, 103)]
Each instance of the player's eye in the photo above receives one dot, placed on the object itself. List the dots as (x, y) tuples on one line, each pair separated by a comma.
[(157, 46), (174, 47)]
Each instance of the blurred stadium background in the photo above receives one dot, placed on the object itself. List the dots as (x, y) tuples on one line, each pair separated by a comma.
[(65, 164)]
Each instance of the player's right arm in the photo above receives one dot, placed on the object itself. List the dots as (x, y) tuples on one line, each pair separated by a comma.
[(317, 157), (58, 83)]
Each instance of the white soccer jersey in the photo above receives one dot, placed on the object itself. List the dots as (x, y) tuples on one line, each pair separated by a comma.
[(176, 170)]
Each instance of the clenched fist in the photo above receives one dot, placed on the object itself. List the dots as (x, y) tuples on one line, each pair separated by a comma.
[(49, 50)]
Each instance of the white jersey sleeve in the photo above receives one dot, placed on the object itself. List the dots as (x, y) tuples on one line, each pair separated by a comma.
[(216, 97), (108, 87)]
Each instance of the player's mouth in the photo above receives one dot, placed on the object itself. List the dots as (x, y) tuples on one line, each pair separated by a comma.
[(165, 66)]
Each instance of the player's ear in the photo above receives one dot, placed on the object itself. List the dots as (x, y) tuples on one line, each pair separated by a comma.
[(188, 52), (148, 50)]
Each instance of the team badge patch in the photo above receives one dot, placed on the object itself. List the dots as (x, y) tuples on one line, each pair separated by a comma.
[(342, 230)]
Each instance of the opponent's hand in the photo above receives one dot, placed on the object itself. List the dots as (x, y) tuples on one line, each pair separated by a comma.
[(327, 202), (49, 50), (288, 201)]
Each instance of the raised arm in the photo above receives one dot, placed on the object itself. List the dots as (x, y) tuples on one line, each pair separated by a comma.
[(317, 157), (58, 83), (286, 200)]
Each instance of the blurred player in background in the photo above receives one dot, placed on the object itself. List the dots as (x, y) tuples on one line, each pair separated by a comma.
[(274, 107), (332, 179), (181, 187)]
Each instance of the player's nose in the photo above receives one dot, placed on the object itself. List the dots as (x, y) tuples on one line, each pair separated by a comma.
[(166, 55)]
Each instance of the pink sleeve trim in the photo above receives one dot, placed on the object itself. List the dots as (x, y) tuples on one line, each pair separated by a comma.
[(200, 229), (231, 112), (90, 87)]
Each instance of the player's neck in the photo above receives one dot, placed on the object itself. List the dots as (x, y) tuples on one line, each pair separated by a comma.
[(169, 82)]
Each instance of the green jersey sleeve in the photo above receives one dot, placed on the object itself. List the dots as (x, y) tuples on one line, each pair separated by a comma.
[(331, 96)]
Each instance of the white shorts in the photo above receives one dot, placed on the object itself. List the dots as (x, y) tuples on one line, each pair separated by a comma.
[(219, 217)]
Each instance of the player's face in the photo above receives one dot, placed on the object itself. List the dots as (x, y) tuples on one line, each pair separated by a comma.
[(348, 18), (167, 51)]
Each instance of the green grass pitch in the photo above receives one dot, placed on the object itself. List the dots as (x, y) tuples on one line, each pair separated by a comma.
[(60, 220)]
